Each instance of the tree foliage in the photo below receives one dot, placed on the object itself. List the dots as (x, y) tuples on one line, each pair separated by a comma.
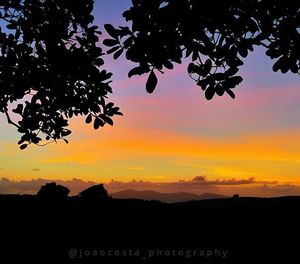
[(49, 68), (95, 193), (51, 63), (216, 36), (52, 191)]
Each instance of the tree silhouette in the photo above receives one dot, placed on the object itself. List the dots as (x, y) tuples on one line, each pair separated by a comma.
[(50, 59), (95, 193), (214, 35), (49, 68), (53, 192)]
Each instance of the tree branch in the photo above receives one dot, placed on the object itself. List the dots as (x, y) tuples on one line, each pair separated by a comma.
[(263, 44), (9, 119)]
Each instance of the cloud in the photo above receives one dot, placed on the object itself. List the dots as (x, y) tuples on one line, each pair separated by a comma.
[(197, 185), (32, 186), (36, 169), (251, 180)]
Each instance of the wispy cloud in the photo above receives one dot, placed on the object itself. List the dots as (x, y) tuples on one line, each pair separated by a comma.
[(197, 185), (251, 180)]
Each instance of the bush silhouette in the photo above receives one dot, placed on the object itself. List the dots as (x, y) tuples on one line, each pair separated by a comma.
[(53, 192), (95, 193)]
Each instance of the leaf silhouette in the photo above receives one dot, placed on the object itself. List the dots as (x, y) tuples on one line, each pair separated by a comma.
[(209, 93), (111, 30), (151, 82), (118, 54), (24, 146), (110, 42), (231, 93), (88, 119), (107, 119), (97, 123)]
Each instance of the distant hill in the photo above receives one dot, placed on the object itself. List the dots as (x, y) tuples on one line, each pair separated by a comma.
[(165, 197)]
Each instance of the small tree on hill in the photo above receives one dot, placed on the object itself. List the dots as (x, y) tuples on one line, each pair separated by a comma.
[(95, 193), (53, 192)]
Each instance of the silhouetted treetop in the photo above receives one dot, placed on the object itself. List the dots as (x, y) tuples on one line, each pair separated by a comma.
[(94, 193), (52, 191), (49, 68), (214, 35)]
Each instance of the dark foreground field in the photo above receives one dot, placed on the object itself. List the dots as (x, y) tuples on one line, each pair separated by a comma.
[(241, 230)]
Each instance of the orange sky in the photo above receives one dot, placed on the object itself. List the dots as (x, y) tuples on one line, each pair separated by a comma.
[(143, 145), (175, 134)]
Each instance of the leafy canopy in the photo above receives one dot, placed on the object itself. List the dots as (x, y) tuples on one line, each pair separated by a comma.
[(49, 68), (51, 65), (216, 36)]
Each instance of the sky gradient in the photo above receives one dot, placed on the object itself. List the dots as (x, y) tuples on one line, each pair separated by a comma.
[(175, 134)]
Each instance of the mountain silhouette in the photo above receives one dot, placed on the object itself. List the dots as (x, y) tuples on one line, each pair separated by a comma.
[(164, 197), (79, 230)]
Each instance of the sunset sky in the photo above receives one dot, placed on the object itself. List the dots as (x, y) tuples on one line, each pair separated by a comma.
[(175, 134)]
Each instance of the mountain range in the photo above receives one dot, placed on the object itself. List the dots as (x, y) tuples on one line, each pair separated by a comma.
[(165, 197)]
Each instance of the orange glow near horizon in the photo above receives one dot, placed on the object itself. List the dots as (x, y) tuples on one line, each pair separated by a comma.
[(123, 153)]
